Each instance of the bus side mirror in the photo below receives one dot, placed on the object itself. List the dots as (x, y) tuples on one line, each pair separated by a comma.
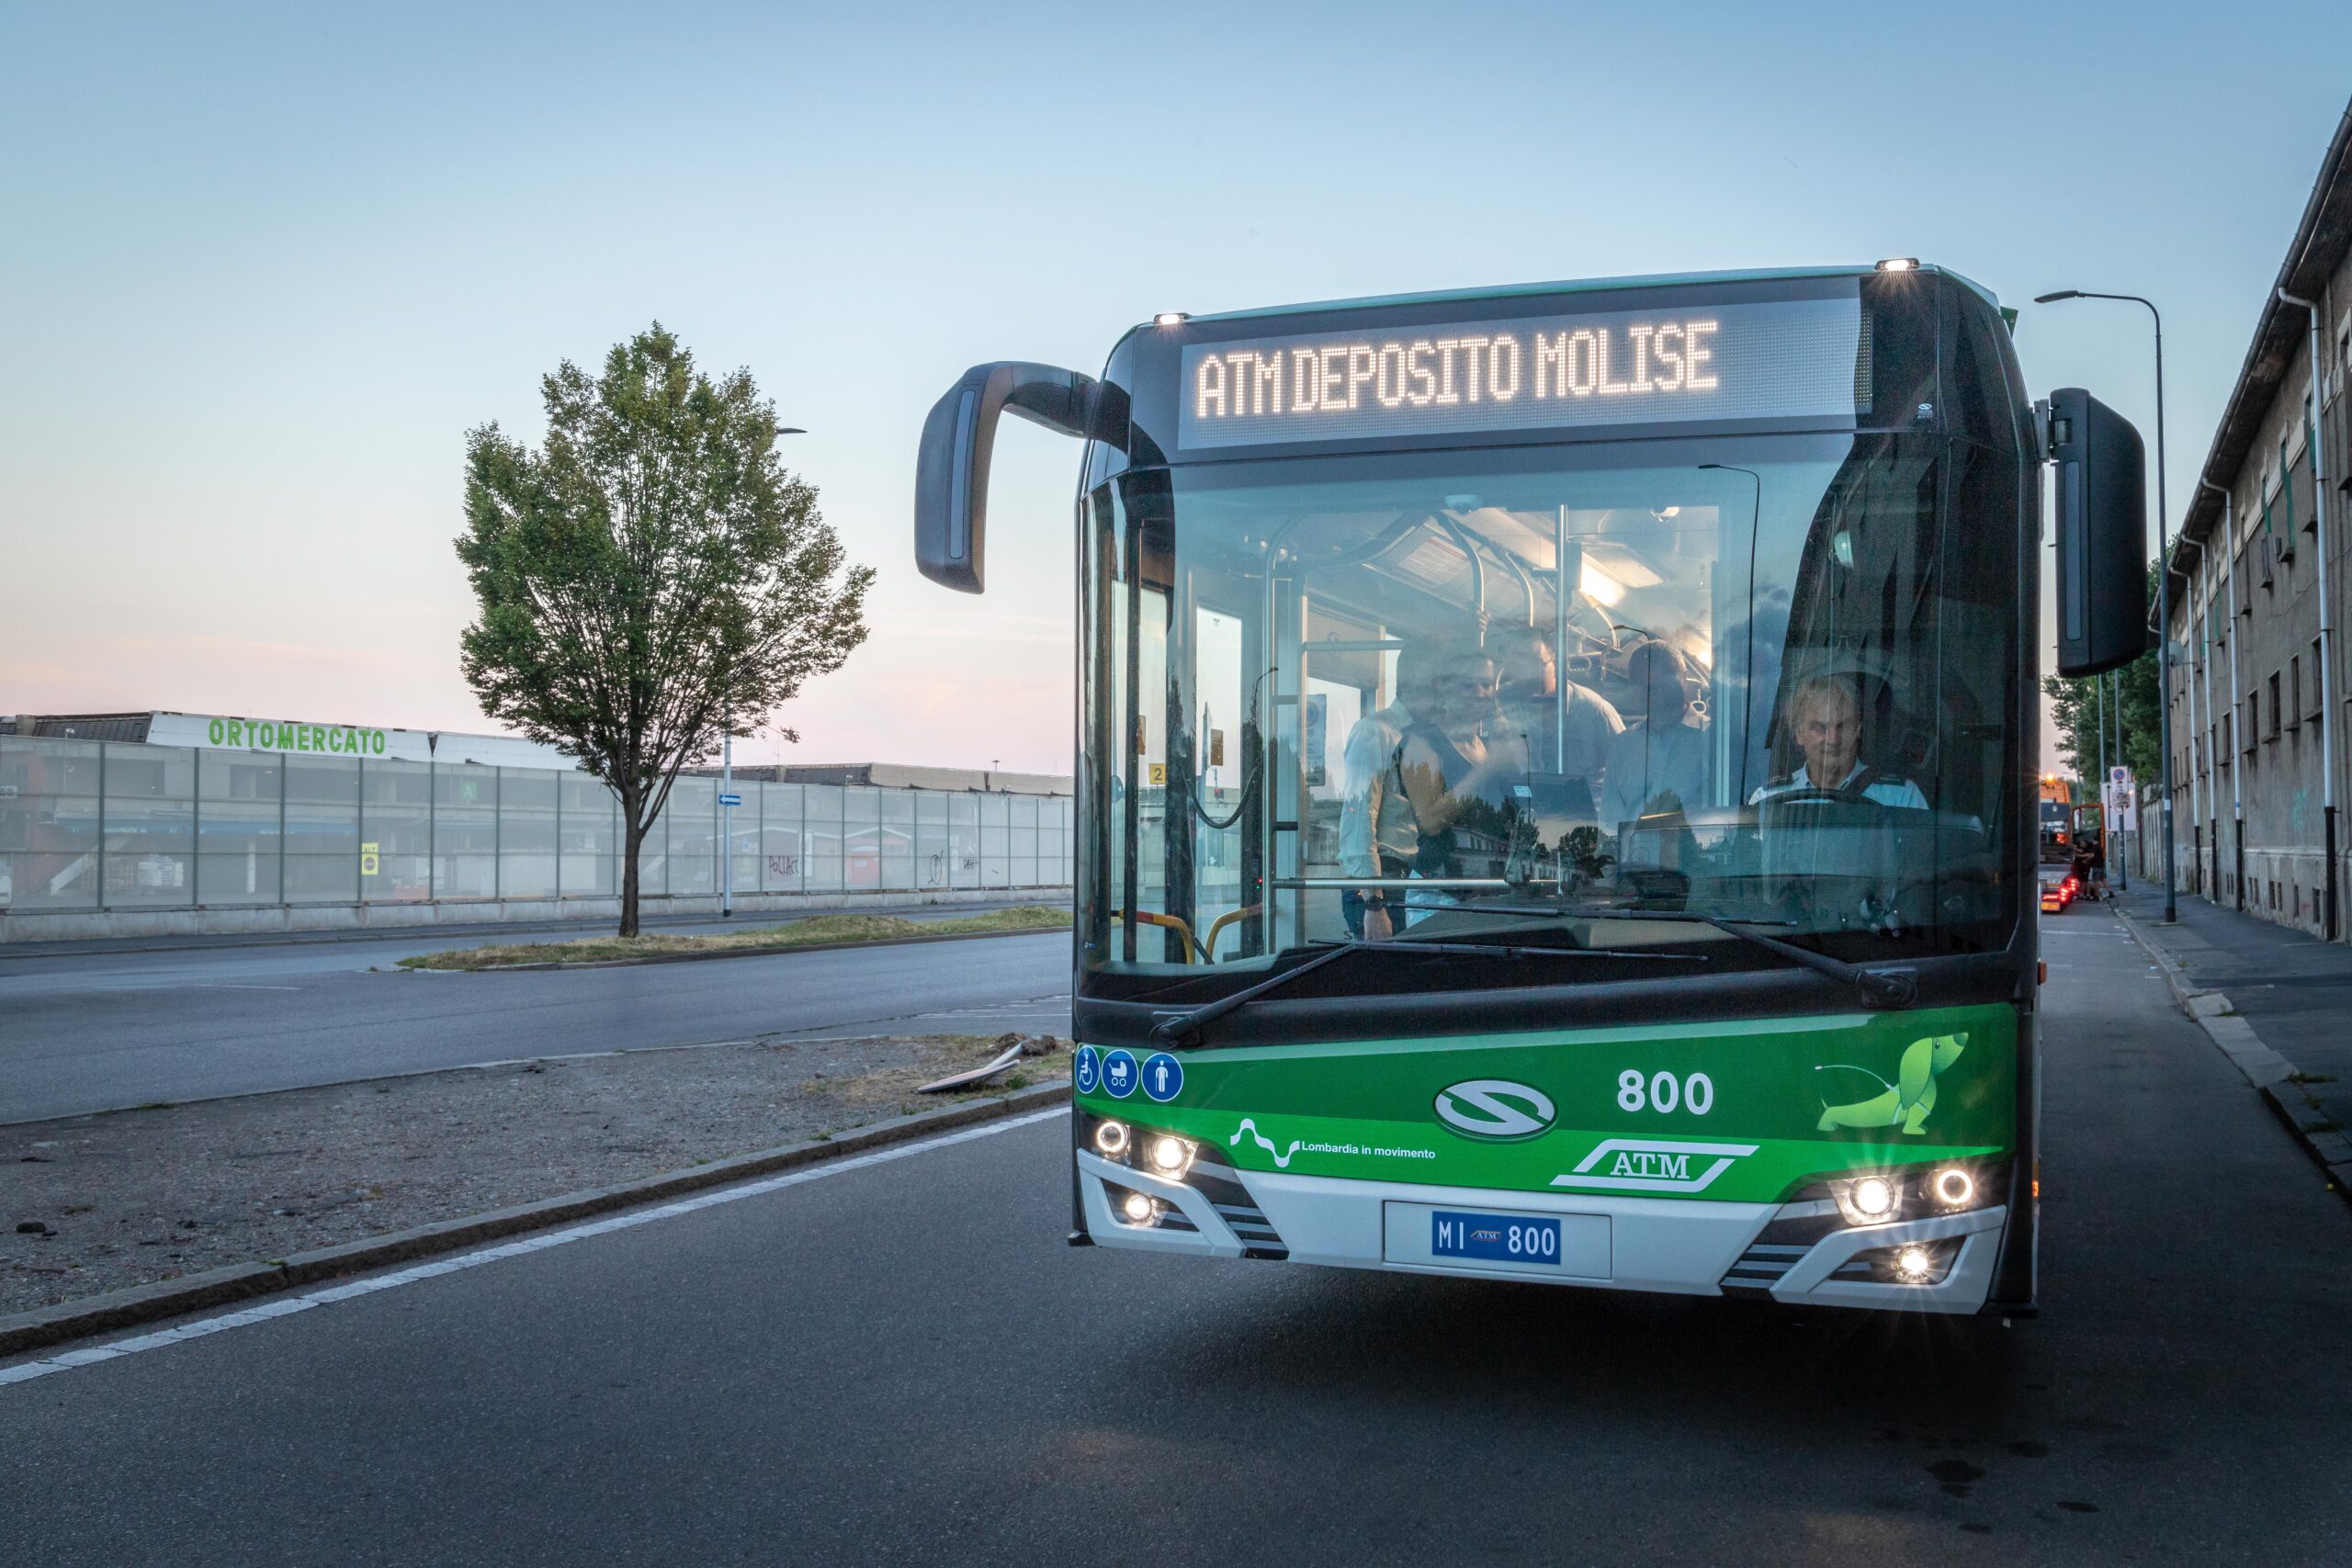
[(952, 470), (2102, 535)]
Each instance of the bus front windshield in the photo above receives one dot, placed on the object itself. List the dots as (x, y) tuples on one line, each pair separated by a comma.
[(1579, 696)]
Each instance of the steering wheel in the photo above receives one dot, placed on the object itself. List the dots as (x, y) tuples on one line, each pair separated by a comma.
[(1810, 795)]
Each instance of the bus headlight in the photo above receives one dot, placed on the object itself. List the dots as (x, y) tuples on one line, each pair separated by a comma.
[(1111, 1139), (1867, 1200), (1138, 1209), (1171, 1155), (1954, 1186)]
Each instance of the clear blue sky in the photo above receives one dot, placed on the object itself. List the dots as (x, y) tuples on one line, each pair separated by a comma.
[(262, 267)]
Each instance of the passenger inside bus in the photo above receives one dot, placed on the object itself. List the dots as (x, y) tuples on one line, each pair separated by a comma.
[(1378, 836), (1425, 778), (1659, 765), (1567, 734), (1453, 775)]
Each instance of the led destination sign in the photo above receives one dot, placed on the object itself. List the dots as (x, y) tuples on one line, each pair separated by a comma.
[(1806, 358)]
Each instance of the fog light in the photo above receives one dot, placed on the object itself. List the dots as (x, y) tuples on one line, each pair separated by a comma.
[(1139, 1209), (1915, 1264), (1111, 1138), (1169, 1155), (1954, 1187), (1874, 1198)]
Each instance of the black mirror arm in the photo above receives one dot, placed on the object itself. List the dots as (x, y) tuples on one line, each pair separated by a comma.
[(959, 437)]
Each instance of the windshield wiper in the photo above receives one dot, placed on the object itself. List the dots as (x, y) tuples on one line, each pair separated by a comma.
[(1877, 988), (1181, 1030)]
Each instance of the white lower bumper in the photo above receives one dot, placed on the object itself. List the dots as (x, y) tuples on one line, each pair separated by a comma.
[(1678, 1246)]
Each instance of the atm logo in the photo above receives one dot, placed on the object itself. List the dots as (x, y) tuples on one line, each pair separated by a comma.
[(1654, 1165), (1496, 1110)]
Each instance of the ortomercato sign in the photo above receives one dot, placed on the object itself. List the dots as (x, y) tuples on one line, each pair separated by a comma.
[(357, 742), (278, 735)]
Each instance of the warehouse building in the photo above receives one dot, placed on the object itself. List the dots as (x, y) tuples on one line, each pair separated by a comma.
[(2258, 688), (156, 823)]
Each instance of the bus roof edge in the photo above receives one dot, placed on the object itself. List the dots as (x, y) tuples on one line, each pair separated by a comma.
[(1582, 286)]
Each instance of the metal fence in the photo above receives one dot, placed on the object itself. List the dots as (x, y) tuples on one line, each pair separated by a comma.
[(88, 826)]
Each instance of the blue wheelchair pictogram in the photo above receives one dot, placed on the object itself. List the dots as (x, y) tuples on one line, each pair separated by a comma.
[(1087, 1069), (1119, 1075), (1163, 1078)]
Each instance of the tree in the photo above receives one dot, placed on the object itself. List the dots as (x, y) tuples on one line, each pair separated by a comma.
[(2079, 707), (650, 578)]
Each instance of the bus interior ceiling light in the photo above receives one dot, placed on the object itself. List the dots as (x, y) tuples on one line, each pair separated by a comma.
[(1111, 1138), (1598, 585), (1899, 263)]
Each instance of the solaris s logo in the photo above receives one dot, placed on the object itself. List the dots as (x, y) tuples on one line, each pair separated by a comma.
[(1495, 1110)]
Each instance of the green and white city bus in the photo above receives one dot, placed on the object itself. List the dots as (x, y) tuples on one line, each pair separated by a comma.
[(1452, 895)]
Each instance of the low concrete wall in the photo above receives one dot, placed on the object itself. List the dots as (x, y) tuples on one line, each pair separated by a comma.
[(84, 926)]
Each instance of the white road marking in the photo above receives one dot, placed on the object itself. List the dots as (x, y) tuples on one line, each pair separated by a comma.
[(283, 1306)]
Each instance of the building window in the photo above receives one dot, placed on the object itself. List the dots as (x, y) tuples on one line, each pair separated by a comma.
[(2272, 733), (2295, 692), (2287, 491), (2312, 707)]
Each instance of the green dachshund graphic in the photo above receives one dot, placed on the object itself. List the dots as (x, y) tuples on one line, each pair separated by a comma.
[(1906, 1100)]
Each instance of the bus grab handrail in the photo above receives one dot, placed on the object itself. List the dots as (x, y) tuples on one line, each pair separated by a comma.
[(1167, 922), (1216, 928)]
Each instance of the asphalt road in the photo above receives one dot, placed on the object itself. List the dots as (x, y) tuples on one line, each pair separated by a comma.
[(98, 1031), (901, 1363)]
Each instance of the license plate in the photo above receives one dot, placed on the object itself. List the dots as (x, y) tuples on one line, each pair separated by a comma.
[(1523, 1239)]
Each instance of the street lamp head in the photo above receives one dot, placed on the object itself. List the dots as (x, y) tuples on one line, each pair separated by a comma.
[(790, 430), (2062, 293)]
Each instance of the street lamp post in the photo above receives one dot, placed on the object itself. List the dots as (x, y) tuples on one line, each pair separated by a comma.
[(2163, 580)]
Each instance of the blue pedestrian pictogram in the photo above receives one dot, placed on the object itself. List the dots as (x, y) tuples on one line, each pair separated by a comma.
[(1119, 1075), (1163, 1078), (1087, 1069)]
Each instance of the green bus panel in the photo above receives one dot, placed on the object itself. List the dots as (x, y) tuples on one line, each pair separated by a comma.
[(1748, 1112)]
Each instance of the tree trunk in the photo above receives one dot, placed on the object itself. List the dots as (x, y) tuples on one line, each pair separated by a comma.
[(632, 840)]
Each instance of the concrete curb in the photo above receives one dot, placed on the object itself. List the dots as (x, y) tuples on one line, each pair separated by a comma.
[(721, 953), (2273, 1077), (46, 1326)]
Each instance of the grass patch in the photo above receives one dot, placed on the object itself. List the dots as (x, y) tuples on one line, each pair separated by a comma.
[(2310, 1078), (815, 930)]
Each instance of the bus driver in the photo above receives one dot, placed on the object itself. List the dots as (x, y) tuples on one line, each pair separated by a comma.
[(1829, 724)]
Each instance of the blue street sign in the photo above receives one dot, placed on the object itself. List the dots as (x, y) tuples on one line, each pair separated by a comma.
[(1163, 1078), (1119, 1075), (730, 800), (1087, 1069)]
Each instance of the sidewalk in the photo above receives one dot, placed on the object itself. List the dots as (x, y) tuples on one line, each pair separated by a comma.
[(2275, 999), (468, 934)]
